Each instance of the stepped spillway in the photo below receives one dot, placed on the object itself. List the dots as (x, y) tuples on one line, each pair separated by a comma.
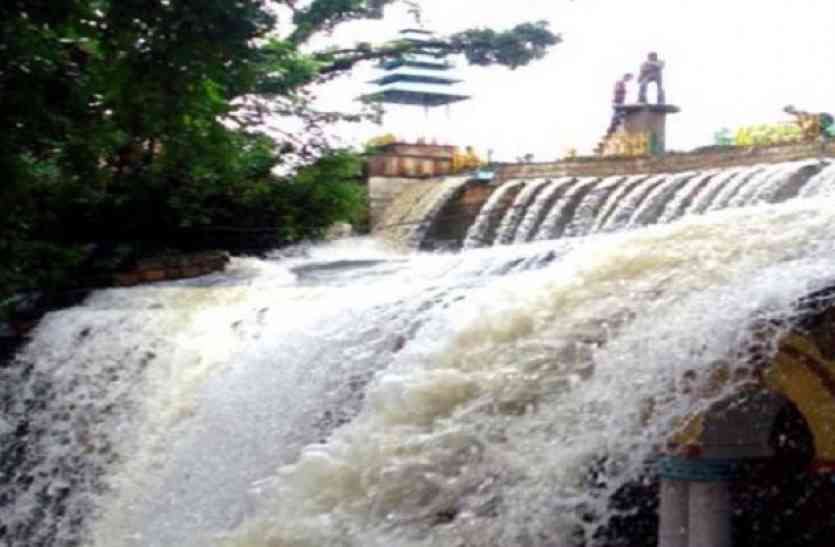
[(522, 210)]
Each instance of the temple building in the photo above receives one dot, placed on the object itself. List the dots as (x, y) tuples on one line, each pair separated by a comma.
[(419, 78)]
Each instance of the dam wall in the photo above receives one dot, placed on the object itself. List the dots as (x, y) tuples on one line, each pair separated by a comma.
[(584, 196), (672, 162)]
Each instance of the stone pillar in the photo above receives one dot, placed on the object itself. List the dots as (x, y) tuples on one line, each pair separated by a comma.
[(649, 119), (695, 508), (673, 511), (710, 514)]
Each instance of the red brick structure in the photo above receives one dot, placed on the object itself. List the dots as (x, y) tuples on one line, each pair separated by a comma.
[(412, 160)]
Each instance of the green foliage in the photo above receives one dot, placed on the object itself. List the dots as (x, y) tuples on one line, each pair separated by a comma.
[(325, 192), (513, 48), (723, 137), (325, 15), (135, 121), (760, 135)]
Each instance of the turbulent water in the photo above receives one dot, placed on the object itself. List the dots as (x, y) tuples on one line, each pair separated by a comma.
[(348, 396)]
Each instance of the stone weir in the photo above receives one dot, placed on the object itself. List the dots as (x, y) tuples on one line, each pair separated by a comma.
[(537, 201)]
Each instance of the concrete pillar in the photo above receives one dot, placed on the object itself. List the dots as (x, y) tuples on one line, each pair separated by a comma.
[(710, 514), (648, 119), (673, 509)]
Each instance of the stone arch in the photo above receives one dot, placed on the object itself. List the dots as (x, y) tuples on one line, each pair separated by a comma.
[(756, 424)]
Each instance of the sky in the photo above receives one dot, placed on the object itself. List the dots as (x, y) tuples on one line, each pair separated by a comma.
[(729, 63)]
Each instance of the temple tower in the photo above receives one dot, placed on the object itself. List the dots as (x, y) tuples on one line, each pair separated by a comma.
[(422, 77), (419, 78)]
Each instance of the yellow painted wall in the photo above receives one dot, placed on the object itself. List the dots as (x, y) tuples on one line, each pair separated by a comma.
[(792, 375)]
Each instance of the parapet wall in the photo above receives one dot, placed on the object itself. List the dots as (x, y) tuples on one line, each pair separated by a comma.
[(707, 158)]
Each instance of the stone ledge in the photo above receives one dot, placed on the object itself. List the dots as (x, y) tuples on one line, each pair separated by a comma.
[(171, 268), (649, 107), (671, 162)]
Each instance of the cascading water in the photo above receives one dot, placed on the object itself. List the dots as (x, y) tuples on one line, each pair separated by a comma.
[(749, 193), (629, 203), (511, 221), (676, 207), (411, 216), (820, 183), (614, 200), (715, 186), (659, 196), (350, 396), (738, 184), (565, 207), (521, 211), (772, 191), (477, 232), (588, 209), (536, 212)]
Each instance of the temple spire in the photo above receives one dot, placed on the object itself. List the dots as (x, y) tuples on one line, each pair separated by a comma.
[(421, 77)]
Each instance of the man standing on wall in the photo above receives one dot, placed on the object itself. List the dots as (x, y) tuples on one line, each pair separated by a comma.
[(651, 71), (617, 101)]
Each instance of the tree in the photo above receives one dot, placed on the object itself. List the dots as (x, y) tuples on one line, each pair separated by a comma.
[(287, 94), (139, 120)]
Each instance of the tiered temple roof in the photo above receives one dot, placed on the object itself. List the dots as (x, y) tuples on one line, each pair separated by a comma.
[(420, 78)]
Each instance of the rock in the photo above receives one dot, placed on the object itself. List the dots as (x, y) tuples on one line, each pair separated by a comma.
[(127, 279), (153, 275)]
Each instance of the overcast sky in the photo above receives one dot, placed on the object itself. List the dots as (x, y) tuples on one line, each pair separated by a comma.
[(729, 63)]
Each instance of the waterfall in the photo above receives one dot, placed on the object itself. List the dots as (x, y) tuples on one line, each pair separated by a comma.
[(479, 431), (737, 185), (354, 395), (476, 235), (715, 186), (350, 396), (564, 208), (524, 210), (433, 206), (587, 211), (614, 200), (688, 194), (824, 179), (410, 216), (657, 197), (623, 211), (747, 192), (514, 217), (773, 188), (535, 214)]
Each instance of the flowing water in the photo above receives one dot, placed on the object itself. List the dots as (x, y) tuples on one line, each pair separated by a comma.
[(478, 231), (581, 206), (512, 221), (351, 396)]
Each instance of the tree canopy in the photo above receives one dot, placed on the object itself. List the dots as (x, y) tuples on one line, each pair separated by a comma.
[(138, 120)]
